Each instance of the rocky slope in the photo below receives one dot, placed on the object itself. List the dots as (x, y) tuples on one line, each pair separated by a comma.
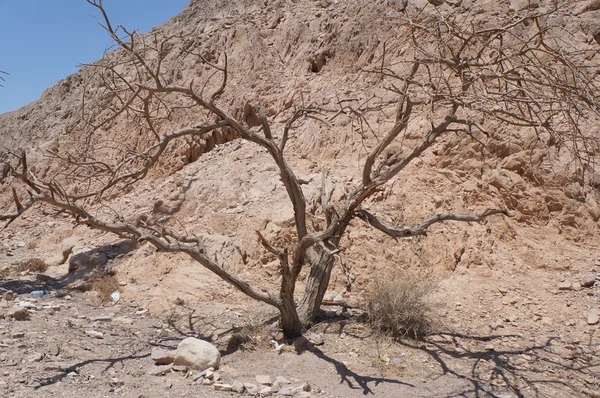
[(503, 275)]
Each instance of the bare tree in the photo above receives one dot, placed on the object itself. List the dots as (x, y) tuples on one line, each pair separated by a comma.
[(468, 80), (2, 77)]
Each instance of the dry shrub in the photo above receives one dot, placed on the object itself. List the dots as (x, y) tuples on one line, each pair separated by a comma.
[(256, 335), (106, 286), (32, 265), (402, 305)]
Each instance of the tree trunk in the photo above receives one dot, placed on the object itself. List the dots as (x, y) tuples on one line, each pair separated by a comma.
[(290, 321), (316, 285)]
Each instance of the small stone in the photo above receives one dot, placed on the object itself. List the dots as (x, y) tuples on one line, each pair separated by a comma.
[(37, 357), (593, 316), (588, 280), (315, 338), (547, 321), (282, 380), (18, 335), (565, 285), (489, 347), (53, 349), (266, 391), (265, 380), (286, 392), (179, 368), (238, 387), (162, 357), (160, 370), (94, 334), (206, 382), (576, 286), (496, 324), (306, 387), (102, 318), (208, 374), (251, 389), (275, 387), (114, 382), (222, 387)]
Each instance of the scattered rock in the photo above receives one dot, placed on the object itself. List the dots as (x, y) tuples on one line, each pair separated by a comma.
[(53, 349), (593, 316), (547, 321), (286, 392), (222, 387), (251, 389), (238, 387), (282, 380), (102, 318), (489, 347), (94, 334), (38, 356), (266, 391), (197, 354), (265, 380), (565, 285), (588, 280), (315, 338), (576, 286), (179, 368), (162, 357), (159, 370), (306, 387)]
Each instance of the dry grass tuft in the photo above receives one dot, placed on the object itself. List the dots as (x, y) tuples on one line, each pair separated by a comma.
[(402, 305), (255, 335), (32, 265), (106, 286)]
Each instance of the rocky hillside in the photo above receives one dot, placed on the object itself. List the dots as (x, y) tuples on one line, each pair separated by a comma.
[(286, 54)]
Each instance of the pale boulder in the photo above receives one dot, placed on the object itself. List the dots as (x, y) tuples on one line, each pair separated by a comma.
[(197, 354)]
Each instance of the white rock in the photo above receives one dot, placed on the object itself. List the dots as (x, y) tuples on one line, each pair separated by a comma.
[(265, 380), (94, 334), (222, 387), (251, 389), (197, 354), (593, 317), (162, 357)]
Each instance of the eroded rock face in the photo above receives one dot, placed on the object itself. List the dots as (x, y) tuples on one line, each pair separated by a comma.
[(197, 354)]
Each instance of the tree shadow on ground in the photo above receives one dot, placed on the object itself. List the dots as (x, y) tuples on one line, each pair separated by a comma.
[(517, 372), (352, 379), (186, 321), (84, 266), (110, 362)]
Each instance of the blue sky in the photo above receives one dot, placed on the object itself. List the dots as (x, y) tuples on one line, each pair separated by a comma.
[(43, 41)]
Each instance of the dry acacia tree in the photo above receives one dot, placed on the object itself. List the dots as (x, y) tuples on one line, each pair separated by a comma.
[(468, 79)]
